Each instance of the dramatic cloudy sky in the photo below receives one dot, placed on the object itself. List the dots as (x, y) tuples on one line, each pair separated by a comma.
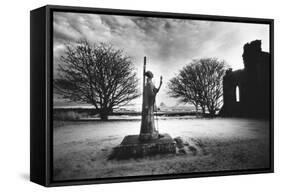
[(169, 44)]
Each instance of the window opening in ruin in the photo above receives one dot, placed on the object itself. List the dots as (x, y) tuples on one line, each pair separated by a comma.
[(237, 94)]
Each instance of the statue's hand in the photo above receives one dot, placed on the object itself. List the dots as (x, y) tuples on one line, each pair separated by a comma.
[(161, 78)]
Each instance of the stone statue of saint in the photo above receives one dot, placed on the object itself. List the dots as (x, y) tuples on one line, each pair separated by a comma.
[(148, 130)]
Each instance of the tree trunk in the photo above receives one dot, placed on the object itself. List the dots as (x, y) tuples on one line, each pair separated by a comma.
[(203, 109), (212, 112), (104, 114)]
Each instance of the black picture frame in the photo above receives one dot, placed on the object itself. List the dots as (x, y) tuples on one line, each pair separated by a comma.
[(41, 99)]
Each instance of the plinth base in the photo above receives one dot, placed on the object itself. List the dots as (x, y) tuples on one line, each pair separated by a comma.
[(133, 147)]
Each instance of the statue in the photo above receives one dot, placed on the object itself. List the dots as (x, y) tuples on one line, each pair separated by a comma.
[(148, 130), (149, 141)]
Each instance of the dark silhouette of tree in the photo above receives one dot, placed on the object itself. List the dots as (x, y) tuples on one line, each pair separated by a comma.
[(96, 74), (200, 84)]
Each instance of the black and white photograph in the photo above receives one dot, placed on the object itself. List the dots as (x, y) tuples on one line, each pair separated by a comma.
[(149, 96)]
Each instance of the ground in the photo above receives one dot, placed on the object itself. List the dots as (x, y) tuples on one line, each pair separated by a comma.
[(81, 148)]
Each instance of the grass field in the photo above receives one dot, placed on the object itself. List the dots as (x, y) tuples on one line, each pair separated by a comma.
[(81, 148)]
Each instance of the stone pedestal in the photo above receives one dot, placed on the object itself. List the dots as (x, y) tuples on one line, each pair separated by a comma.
[(133, 147), (148, 136)]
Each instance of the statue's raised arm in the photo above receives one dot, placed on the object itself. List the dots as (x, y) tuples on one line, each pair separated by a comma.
[(160, 84)]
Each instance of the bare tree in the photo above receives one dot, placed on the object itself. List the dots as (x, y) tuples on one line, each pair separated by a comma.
[(200, 84), (96, 74), (185, 88)]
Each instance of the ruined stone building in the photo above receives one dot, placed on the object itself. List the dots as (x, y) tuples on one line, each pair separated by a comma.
[(246, 92)]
